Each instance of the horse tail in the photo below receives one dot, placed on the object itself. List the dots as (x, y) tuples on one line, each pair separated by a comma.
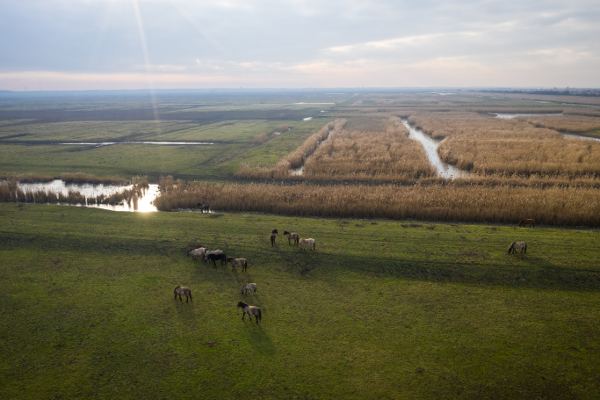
[(521, 222), (525, 248), (190, 292), (510, 247), (259, 315)]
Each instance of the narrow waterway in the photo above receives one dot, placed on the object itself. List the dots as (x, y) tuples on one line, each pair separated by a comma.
[(565, 135), (443, 170), (300, 171), (144, 203), (511, 116)]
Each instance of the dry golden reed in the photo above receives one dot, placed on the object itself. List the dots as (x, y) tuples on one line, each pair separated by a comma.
[(283, 169), (26, 178), (81, 177), (487, 145), (372, 152), (500, 204), (564, 123)]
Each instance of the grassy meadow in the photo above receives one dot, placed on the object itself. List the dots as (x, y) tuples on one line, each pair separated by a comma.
[(381, 309)]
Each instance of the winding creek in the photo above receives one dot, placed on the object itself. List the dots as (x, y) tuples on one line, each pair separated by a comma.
[(443, 170)]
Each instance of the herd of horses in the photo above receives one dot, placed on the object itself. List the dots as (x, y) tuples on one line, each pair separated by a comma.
[(218, 255)]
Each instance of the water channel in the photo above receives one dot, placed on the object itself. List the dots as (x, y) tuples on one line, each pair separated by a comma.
[(565, 135), (300, 171), (144, 203), (443, 170)]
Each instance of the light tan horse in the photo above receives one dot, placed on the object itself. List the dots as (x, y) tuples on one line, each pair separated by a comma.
[(238, 262), (517, 245), (185, 291), (530, 222), (307, 243), (248, 287), (291, 236), (250, 310)]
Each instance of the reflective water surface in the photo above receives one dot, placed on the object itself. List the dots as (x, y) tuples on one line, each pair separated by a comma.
[(444, 170), (144, 203)]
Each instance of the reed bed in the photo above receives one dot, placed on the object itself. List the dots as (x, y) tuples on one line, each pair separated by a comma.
[(564, 123), (382, 154), (260, 139), (296, 159), (81, 177), (486, 145), (26, 178), (501, 204)]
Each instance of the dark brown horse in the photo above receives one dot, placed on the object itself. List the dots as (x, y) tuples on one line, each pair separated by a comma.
[(291, 236), (527, 222), (185, 291), (273, 237), (250, 310), (203, 207)]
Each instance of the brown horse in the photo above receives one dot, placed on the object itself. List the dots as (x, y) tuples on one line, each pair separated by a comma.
[(238, 262), (273, 237), (517, 245), (291, 236), (185, 291), (527, 222), (250, 310)]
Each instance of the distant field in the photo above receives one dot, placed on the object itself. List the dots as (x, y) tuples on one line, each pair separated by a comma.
[(379, 310), (30, 145)]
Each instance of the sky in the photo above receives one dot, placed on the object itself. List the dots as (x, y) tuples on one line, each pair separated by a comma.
[(194, 44)]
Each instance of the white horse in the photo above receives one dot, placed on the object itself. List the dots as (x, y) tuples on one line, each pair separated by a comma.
[(307, 243), (248, 288), (517, 245), (195, 253)]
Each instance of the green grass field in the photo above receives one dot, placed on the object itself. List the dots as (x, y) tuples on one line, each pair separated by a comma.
[(380, 310), (214, 162)]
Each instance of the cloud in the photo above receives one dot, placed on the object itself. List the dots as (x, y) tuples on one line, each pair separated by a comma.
[(300, 42)]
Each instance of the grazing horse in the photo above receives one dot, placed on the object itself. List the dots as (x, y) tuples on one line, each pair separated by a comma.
[(250, 310), (214, 257), (185, 291), (203, 207), (273, 237), (195, 253), (517, 245), (527, 222), (238, 262), (291, 236), (248, 288), (307, 243)]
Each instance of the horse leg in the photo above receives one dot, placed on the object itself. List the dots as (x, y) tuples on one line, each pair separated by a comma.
[(180, 298), (243, 315)]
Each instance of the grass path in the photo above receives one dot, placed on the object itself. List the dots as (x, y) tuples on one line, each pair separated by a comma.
[(380, 310)]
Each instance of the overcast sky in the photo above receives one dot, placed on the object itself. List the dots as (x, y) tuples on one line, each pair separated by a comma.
[(131, 44)]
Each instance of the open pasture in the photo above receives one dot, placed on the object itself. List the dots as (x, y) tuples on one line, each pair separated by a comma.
[(380, 309)]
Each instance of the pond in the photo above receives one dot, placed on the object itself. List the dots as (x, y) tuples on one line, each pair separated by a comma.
[(144, 202)]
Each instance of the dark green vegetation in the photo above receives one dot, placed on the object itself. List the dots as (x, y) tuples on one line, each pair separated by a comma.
[(380, 310)]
